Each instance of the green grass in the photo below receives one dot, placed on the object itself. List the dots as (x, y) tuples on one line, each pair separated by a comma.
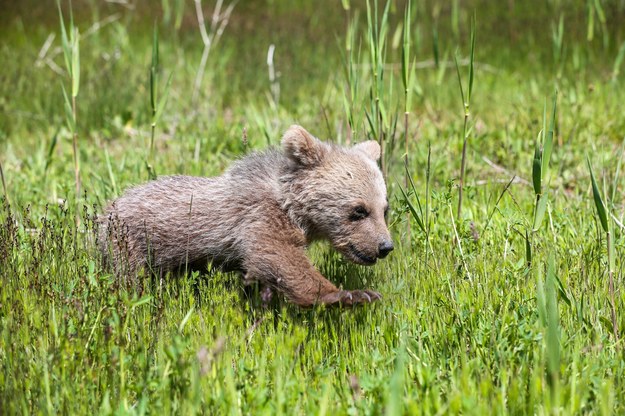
[(467, 324)]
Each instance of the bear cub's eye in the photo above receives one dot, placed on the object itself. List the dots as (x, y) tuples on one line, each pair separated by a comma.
[(359, 213)]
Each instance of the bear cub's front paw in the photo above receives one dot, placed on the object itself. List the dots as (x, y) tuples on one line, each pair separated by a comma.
[(350, 297)]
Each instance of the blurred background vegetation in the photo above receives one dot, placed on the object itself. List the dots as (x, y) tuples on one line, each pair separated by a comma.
[(513, 36)]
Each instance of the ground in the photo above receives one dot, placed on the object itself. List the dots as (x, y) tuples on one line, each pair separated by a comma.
[(467, 324)]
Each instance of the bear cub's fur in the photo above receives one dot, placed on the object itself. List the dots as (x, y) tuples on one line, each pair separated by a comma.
[(258, 217)]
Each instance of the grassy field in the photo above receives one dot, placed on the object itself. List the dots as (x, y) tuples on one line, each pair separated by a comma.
[(501, 306)]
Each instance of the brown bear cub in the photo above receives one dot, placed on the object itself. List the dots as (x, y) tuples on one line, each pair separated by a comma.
[(258, 217)]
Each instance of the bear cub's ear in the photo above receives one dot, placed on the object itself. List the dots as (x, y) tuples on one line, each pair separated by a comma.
[(302, 147), (370, 148)]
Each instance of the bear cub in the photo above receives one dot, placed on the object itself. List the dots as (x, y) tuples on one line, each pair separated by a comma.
[(258, 217)]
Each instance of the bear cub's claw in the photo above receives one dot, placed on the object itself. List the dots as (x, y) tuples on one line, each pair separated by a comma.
[(351, 297)]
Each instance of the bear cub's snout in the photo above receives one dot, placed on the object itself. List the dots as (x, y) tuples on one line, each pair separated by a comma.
[(385, 248)]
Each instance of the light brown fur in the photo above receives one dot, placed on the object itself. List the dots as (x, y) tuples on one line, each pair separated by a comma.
[(258, 217)]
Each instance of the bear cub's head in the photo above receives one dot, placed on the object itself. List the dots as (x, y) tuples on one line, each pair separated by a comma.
[(337, 193)]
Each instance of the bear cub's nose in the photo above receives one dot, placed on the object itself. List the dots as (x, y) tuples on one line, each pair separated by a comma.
[(385, 248)]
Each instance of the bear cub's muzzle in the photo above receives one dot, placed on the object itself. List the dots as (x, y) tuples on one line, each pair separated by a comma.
[(385, 248)]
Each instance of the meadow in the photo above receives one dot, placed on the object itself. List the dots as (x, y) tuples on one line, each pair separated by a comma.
[(503, 132)]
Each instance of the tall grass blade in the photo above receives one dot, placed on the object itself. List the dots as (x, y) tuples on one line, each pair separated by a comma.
[(464, 103), (547, 305), (109, 168), (601, 209), (427, 189), (413, 86), (75, 62), (405, 67), (590, 26), (537, 168), (541, 207), (4, 185), (71, 53), (503, 192), (602, 212), (617, 174), (548, 142), (528, 249), (153, 70), (51, 148), (372, 125), (435, 46), (184, 321), (65, 44), (417, 215), (69, 114), (620, 56), (553, 326), (471, 60), (163, 100)]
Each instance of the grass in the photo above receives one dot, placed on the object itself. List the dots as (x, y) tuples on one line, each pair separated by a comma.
[(466, 324), (71, 53)]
